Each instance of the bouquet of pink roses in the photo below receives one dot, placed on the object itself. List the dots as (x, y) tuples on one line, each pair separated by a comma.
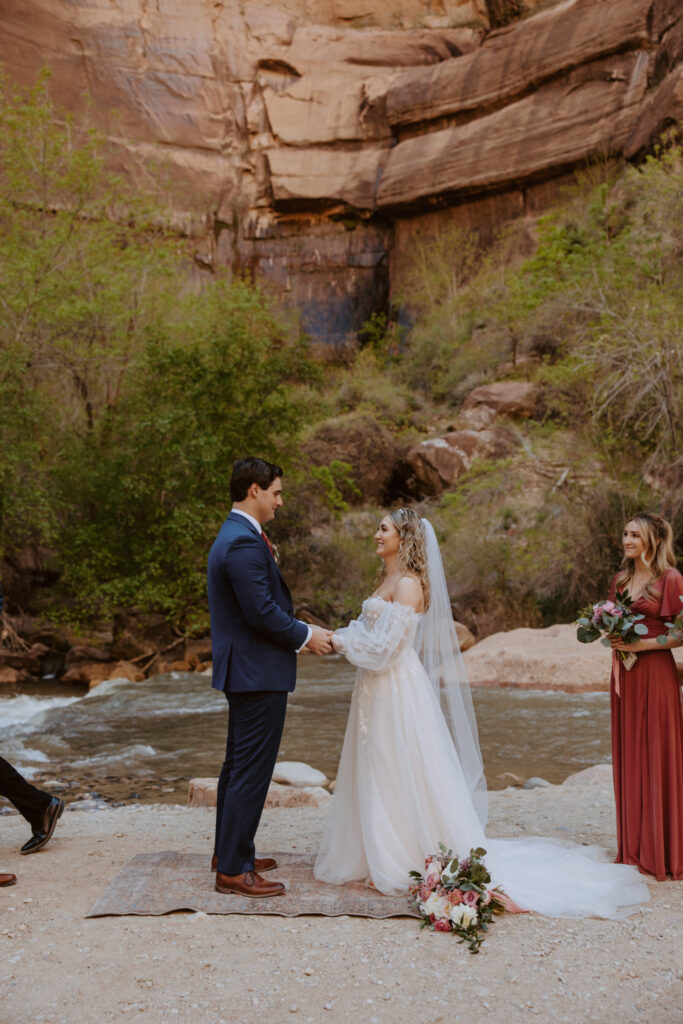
[(613, 619), (452, 896)]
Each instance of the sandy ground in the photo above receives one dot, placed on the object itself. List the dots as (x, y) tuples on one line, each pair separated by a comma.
[(189, 967)]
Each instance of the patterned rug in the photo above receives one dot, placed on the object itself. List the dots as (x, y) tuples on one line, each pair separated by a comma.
[(159, 883)]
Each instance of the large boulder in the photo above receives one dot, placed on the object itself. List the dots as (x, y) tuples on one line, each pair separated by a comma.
[(296, 773), (11, 676), (504, 398), (438, 462), (542, 659), (596, 775)]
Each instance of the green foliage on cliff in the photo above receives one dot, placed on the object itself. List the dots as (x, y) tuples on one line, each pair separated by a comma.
[(594, 315), (123, 402)]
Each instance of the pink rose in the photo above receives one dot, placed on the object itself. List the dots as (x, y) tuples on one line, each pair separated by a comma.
[(471, 898), (432, 875), (425, 892), (442, 926), (455, 897), (608, 606)]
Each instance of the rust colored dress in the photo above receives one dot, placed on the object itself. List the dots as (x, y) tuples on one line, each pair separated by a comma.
[(647, 744)]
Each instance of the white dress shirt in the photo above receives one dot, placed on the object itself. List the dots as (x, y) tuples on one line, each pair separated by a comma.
[(255, 522)]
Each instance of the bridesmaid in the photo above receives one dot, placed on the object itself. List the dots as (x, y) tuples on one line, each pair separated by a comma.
[(647, 719)]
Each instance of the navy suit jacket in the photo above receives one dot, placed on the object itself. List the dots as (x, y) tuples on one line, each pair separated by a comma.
[(254, 635)]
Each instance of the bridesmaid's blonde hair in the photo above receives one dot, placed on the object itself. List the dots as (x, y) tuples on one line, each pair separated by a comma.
[(412, 554), (658, 554)]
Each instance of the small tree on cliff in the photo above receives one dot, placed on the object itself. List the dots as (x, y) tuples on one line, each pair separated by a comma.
[(82, 258)]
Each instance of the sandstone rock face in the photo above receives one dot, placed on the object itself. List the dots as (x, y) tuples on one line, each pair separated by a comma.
[(299, 142)]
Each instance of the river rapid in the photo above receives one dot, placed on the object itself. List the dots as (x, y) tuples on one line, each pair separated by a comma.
[(143, 741)]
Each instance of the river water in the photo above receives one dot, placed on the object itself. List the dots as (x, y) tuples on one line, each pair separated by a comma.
[(144, 741)]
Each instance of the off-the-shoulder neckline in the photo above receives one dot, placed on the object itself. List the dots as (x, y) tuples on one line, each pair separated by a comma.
[(376, 597)]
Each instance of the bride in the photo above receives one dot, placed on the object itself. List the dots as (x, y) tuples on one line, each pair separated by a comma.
[(411, 773)]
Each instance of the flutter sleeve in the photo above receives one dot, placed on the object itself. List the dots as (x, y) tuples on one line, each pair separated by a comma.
[(373, 642), (672, 592)]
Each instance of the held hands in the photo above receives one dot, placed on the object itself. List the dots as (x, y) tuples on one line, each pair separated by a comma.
[(321, 640)]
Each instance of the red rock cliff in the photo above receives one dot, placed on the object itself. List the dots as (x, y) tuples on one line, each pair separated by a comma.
[(311, 139)]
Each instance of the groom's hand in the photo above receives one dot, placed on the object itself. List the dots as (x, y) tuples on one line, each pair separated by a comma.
[(321, 640)]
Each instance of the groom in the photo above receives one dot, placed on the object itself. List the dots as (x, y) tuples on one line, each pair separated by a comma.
[(255, 640)]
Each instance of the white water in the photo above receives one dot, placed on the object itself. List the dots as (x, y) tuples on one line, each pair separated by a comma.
[(20, 709), (174, 727)]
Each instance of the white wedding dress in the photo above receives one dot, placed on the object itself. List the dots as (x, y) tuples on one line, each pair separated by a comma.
[(401, 790)]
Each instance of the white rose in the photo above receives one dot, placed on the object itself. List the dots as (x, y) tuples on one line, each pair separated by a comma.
[(437, 905), (463, 915), (456, 913), (469, 916)]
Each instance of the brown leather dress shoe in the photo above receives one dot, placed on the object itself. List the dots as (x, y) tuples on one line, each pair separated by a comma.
[(7, 879), (249, 884), (261, 864)]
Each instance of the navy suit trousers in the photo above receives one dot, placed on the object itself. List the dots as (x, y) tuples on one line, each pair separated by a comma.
[(255, 724)]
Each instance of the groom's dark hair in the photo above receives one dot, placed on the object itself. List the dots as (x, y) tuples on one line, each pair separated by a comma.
[(246, 472)]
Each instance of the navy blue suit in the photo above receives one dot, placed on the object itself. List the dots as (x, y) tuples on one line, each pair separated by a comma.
[(254, 638)]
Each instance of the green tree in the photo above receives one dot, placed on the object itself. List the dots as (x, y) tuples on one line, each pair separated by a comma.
[(123, 401), (84, 264)]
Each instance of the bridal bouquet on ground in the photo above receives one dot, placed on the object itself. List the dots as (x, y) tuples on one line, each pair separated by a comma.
[(452, 896), (613, 619), (674, 629)]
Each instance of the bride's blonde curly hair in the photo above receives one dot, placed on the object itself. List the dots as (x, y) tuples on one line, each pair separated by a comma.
[(412, 554)]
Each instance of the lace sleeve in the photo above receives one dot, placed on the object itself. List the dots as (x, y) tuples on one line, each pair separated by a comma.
[(374, 640)]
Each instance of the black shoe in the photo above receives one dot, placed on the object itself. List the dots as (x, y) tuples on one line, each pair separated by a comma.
[(42, 832)]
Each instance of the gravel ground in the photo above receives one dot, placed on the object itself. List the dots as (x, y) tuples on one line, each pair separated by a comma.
[(189, 967)]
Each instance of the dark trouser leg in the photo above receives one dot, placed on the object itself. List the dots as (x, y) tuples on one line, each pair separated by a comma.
[(257, 723), (223, 780), (28, 800)]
